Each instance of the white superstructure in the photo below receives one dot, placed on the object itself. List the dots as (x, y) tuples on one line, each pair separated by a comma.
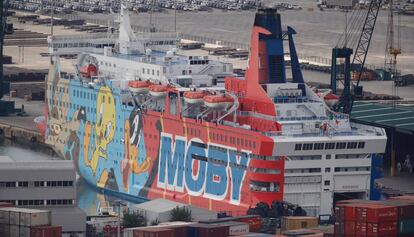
[(140, 56), (326, 155)]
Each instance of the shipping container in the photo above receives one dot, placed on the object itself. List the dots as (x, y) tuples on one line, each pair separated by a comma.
[(154, 232), (4, 217), (298, 222), (345, 212), (360, 228), (4, 230), (206, 230), (350, 227), (406, 227), (27, 217), (5, 204), (237, 228), (386, 229), (405, 208), (35, 218), (376, 213), (46, 231), (339, 228)]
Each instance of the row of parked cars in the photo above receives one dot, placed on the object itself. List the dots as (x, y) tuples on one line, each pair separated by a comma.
[(101, 6)]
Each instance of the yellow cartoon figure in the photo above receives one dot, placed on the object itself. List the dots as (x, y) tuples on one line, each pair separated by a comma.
[(130, 163), (104, 128)]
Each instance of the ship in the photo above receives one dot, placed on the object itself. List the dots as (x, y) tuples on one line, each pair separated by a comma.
[(141, 121)]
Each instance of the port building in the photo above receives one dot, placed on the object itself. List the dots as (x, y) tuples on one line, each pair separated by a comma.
[(44, 184)]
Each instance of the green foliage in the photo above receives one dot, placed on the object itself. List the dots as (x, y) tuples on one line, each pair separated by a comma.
[(155, 222), (134, 219), (180, 214)]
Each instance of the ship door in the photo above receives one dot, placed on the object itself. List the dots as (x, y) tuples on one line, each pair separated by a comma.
[(173, 104)]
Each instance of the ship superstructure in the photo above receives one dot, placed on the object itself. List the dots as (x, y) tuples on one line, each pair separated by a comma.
[(147, 128)]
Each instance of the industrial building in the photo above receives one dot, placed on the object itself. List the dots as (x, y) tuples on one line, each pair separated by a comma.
[(44, 184), (343, 4), (159, 210)]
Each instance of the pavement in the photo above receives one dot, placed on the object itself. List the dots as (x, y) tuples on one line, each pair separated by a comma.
[(400, 184), (317, 31)]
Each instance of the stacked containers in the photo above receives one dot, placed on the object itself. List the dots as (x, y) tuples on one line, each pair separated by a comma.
[(376, 218), (19, 221), (405, 216)]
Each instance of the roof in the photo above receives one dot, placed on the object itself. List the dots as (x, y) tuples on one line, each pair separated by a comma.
[(158, 205), (399, 117), (23, 210), (8, 163)]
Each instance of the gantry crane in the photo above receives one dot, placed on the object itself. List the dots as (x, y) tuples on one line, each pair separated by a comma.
[(344, 51)]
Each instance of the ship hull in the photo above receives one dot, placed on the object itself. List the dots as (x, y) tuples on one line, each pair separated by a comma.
[(151, 154)]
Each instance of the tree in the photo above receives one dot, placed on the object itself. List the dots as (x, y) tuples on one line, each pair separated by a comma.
[(134, 219), (180, 214)]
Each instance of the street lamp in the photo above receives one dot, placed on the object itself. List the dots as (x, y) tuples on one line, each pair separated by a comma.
[(119, 203)]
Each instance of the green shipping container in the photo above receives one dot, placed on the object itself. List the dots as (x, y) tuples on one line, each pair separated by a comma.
[(406, 226)]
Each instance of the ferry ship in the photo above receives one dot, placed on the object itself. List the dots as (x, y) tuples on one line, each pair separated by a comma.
[(141, 120)]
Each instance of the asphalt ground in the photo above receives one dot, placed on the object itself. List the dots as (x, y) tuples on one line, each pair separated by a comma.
[(317, 31)]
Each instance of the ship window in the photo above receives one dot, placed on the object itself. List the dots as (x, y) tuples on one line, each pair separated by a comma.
[(148, 71), (361, 145), (330, 146), (153, 73), (340, 145), (319, 146), (143, 70), (298, 147), (327, 170), (307, 146), (327, 182), (158, 72), (351, 145)]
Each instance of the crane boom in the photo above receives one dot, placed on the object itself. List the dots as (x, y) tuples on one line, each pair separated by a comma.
[(361, 51)]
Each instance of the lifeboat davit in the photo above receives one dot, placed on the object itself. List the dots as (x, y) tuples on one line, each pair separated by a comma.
[(218, 101), (139, 87), (88, 71), (158, 90), (331, 99), (194, 97)]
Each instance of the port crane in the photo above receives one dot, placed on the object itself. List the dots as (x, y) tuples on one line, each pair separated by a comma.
[(344, 51)]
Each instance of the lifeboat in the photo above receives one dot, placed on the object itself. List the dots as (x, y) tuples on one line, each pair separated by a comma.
[(218, 101), (88, 71), (194, 97), (331, 99), (139, 87), (158, 90)]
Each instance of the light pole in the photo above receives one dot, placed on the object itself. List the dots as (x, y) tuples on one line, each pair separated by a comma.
[(119, 203)]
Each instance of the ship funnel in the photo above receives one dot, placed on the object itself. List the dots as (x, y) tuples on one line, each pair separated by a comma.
[(267, 46)]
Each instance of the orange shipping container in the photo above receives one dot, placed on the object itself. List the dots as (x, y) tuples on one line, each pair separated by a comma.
[(298, 222)]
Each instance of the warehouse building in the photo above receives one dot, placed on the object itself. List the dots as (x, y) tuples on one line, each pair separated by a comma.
[(159, 210), (343, 4), (44, 184)]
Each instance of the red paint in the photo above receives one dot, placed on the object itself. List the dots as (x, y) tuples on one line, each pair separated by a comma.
[(89, 71), (46, 231), (350, 228), (376, 213), (388, 229)]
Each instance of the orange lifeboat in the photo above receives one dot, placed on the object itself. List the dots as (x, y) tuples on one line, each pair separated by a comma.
[(194, 97), (331, 99), (158, 90), (139, 87), (218, 101), (88, 71)]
